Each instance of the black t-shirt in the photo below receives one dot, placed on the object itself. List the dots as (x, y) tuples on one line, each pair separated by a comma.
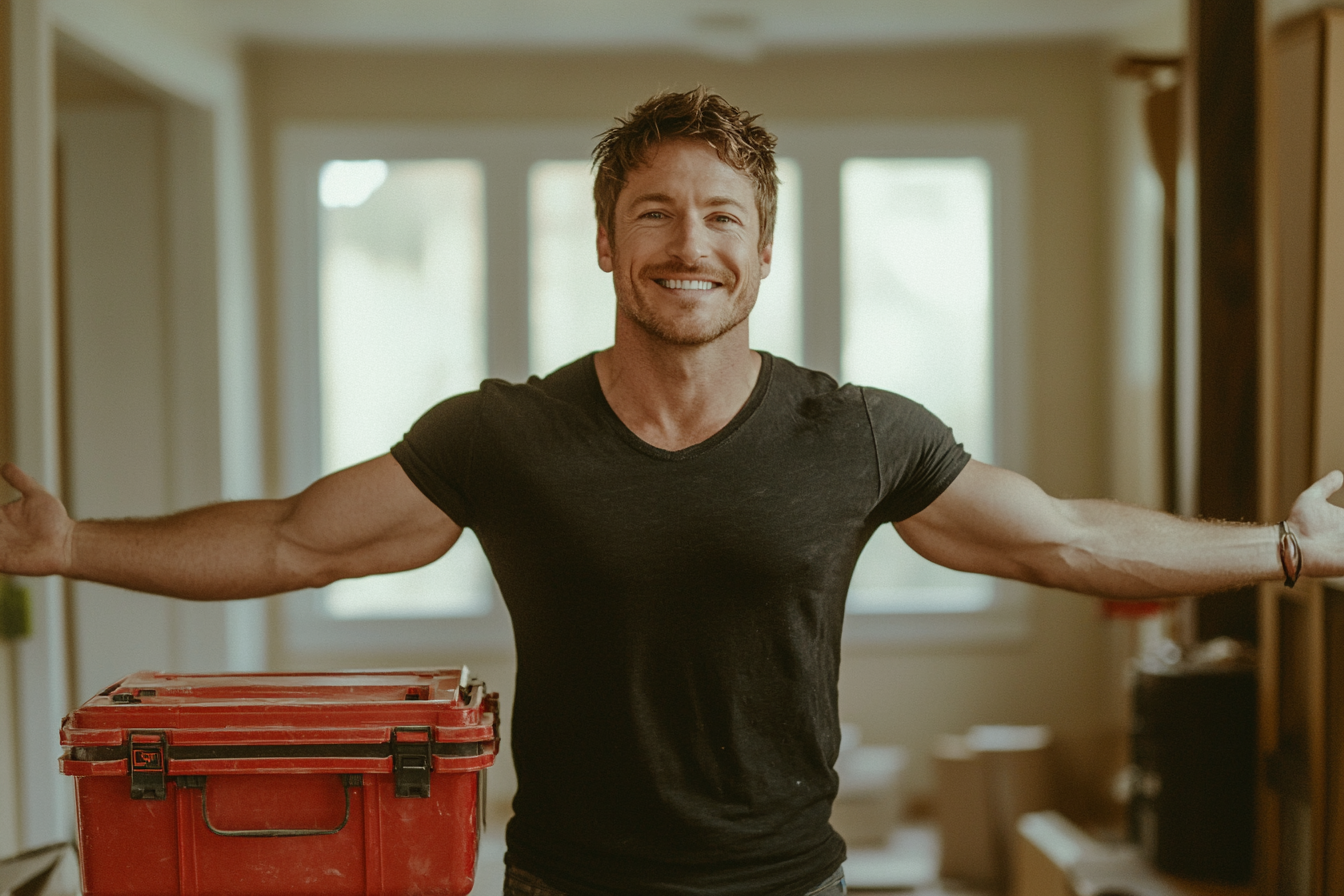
[(677, 615)]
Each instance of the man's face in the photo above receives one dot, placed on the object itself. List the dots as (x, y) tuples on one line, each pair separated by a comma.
[(685, 255)]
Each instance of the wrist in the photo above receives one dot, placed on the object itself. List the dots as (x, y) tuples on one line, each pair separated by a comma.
[(1290, 554), (66, 561)]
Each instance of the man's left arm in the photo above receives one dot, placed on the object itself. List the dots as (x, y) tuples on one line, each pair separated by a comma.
[(999, 523)]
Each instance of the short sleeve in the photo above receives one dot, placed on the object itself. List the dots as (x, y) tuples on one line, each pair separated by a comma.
[(918, 457), (436, 454)]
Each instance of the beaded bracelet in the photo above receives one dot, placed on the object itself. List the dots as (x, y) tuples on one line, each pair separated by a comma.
[(1290, 555)]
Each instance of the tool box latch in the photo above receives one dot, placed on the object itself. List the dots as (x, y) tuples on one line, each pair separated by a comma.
[(149, 761), (412, 760)]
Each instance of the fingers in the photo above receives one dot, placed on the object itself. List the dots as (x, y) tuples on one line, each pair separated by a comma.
[(25, 484), (1326, 486)]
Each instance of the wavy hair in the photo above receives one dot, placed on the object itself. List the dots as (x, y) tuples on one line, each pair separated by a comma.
[(694, 115)]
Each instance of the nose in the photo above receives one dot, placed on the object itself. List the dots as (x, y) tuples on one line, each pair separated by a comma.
[(689, 244)]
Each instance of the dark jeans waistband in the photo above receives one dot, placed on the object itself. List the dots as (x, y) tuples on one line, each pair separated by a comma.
[(518, 882)]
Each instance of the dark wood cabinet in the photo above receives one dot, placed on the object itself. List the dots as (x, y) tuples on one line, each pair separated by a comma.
[(1301, 795)]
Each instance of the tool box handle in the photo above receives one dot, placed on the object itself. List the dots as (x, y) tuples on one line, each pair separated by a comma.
[(197, 782)]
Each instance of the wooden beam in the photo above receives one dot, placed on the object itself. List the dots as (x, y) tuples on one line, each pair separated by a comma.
[(1222, 127)]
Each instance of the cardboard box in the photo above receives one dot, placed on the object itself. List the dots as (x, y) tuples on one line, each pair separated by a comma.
[(870, 801), (986, 780)]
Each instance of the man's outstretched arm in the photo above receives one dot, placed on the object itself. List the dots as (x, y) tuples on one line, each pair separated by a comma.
[(367, 519), (996, 522)]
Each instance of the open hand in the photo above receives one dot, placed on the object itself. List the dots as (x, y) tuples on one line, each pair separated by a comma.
[(36, 533), (1320, 527)]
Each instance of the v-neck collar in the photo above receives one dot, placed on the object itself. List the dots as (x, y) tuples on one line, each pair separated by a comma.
[(754, 401)]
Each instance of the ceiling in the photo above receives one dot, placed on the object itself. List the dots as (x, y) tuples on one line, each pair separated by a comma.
[(728, 28)]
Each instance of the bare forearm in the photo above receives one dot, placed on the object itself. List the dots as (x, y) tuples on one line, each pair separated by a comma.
[(1119, 551), (218, 552), (996, 522)]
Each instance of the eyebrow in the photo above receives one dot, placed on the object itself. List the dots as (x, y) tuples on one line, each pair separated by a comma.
[(711, 201)]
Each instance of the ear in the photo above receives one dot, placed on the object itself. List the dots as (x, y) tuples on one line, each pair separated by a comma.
[(605, 258), (767, 255)]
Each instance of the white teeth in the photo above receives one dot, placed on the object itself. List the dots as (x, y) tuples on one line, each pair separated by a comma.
[(686, 284)]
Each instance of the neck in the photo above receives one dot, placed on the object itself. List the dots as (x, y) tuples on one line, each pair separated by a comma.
[(676, 396)]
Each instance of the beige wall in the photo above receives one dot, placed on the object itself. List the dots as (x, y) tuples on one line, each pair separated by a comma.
[(1059, 675), (142, 42)]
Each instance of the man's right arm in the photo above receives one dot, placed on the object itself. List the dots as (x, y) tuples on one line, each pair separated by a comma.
[(367, 519)]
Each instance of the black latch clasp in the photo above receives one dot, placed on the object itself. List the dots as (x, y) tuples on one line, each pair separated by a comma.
[(412, 760), (149, 764)]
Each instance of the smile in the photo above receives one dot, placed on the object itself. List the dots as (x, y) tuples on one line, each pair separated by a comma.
[(686, 284)]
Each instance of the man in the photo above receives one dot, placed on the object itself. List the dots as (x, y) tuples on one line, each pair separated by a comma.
[(673, 523)]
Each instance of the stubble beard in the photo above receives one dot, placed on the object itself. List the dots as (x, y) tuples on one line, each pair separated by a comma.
[(633, 301)]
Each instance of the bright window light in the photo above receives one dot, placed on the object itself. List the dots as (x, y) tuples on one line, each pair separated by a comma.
[(402, 311), (572, 309), (918, 320), (777, 321), (346, 184)]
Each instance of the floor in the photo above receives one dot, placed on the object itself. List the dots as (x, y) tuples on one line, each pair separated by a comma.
[(906, 866)]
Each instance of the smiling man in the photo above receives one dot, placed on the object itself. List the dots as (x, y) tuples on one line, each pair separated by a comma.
[(692, 250), (673, 523)]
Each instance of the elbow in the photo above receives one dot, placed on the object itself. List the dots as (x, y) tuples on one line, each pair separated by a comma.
[(298, 567), (310, 572)]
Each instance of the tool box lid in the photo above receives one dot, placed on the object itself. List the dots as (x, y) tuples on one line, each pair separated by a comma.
[(284, 722)]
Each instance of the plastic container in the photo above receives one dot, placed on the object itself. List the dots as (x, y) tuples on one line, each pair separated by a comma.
[(288, 783)]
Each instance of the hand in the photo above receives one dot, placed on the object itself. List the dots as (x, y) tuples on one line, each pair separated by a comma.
[(36, 534), (1320, 527)]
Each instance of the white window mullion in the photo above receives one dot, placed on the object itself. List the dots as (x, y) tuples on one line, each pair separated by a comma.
[(297, 247), (571, 298), (821, 150), (506, 252), (1012, 409), (822, 272)]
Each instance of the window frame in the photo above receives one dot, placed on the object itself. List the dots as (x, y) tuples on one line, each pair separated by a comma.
[(507, 153), (821, 150)]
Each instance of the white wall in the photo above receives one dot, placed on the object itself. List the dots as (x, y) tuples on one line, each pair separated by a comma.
[(115, 366), (166, 378), (45, 806), (143, 416), (9, 726), (205, 393), (170, 48), (134, 447)]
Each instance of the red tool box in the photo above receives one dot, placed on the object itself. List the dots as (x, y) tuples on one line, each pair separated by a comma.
[(287, 783)]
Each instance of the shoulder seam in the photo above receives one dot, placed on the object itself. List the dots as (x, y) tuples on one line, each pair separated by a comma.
[(471, 445), (877, 452)]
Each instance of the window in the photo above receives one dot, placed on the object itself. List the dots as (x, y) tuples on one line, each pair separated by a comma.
[(916, 260), (432, 258), (884, 205), (569, 296), (402, 276)]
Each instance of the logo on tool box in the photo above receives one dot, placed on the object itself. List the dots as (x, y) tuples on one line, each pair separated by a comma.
[(147, 760)]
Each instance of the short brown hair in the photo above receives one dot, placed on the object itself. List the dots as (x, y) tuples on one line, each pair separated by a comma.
[(694, 115)]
